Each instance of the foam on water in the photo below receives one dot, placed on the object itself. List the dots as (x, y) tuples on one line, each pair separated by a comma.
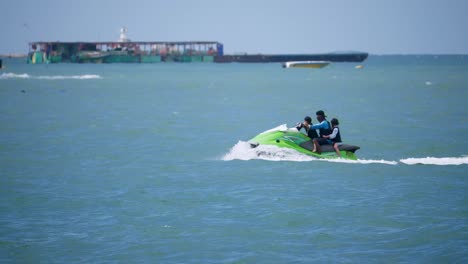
[(78, 77), (10, 75), (363, 161), (436, 161)]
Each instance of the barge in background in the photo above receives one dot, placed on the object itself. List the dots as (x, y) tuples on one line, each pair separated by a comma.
[(126, 51)]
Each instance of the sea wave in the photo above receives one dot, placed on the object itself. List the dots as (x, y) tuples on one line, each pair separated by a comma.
[(364, 161), (243, 151), (10, 75), (436, 161), (62, 77)]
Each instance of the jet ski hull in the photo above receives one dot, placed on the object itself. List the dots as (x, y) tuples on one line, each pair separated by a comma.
[(293, 139)]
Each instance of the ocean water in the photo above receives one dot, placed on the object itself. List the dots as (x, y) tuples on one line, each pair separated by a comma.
[(134, 163)]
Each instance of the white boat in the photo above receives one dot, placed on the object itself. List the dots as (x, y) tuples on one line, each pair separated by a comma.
[(305, 64)]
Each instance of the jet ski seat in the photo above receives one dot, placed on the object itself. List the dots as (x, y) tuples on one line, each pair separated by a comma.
[(309, 145)]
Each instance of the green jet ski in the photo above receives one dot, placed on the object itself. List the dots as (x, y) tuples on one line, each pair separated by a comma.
[(292, 138)]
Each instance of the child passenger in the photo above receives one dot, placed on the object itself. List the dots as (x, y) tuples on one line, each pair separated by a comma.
[(335, 136)]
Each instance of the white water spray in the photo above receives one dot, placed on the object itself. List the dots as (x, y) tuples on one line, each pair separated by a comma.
[(10, 75), (436, 161)]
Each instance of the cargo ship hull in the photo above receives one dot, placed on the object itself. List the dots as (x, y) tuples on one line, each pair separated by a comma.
[(260, 58), (155, 52)]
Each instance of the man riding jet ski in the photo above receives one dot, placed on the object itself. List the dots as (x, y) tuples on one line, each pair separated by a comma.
[(285, 137)]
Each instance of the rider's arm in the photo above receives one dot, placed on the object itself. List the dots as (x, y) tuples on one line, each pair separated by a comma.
[(333, 134), (322, 124)]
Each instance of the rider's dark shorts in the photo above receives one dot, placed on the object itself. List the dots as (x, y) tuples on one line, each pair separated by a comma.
[(323, 141)]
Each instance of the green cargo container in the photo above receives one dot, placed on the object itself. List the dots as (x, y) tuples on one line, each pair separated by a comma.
[(208, 58), (73, 58), (39, 57), (150, 58), (55, 58), (121, 59), (91, 60), (36, 57), (185, 58), (169, 59), (197, 58)]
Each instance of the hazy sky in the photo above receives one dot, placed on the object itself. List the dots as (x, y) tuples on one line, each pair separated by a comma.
[(275, 26)]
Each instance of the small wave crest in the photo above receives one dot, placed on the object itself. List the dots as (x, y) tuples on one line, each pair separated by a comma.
[(436, 161), (243, 151), (10, 75), (77, 77), (364, 161)]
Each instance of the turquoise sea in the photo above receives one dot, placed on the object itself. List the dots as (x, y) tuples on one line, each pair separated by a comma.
[(148, 163)]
